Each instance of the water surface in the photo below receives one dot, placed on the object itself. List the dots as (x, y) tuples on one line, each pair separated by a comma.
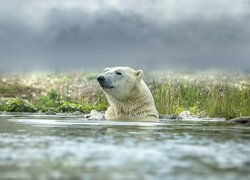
[(68, 147)]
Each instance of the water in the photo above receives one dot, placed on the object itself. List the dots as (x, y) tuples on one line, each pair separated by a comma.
[(60, 147)]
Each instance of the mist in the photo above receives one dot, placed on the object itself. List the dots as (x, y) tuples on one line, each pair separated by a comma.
[(62, 35)]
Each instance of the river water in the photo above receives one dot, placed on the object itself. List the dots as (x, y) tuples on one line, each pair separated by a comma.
[(68, 147)]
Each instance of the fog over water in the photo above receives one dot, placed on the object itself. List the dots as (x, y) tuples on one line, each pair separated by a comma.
[(150, 34)]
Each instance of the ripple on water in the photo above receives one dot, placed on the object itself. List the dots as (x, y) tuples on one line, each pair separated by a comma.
[(119, 150)]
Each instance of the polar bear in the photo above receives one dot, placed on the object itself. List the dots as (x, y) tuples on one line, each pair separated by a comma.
[(128, 95)]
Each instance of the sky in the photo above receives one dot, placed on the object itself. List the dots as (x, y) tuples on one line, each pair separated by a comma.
[(149, 34)]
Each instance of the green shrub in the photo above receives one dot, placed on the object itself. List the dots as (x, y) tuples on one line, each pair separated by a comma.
[(49, 102), (18, 105), (98, 107), (70, 107), (54, 101)]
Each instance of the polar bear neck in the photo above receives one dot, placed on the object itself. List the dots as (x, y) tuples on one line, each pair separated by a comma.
[(139, 91), (139, 101)]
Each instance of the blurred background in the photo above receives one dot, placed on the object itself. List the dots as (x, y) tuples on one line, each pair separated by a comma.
[(150, 34), (195, 56)]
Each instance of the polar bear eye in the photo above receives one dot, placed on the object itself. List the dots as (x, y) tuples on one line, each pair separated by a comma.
[(118, 73)]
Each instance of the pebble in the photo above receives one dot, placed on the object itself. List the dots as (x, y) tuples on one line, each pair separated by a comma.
[(165, 116)]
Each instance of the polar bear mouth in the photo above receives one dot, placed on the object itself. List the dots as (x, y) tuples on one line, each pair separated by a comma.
[(105, 86)]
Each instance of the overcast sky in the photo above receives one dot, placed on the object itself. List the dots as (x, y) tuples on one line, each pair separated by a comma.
[(66, 34)]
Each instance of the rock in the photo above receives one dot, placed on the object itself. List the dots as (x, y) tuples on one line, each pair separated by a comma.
[(50, 113), (94, 115), (241, 120), (166, 116), (77, 113), (185, 114)]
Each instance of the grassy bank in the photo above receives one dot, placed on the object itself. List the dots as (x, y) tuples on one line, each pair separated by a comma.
[(53, 101), (212, 100), (213, 95)]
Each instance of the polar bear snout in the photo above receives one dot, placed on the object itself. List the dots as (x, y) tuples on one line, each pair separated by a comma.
[(104, 83), (101, 79)]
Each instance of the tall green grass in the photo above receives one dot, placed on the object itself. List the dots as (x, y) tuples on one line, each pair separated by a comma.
[(224, 101)]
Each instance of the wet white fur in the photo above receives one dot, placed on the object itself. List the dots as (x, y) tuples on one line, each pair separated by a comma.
[(130, 99)]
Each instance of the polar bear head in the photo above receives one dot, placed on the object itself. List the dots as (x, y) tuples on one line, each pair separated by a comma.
[(120, 82)]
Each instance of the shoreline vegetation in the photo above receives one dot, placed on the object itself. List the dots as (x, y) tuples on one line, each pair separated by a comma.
[(211, 93)]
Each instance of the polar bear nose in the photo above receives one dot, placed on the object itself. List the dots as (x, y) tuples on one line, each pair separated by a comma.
[(101, 79)]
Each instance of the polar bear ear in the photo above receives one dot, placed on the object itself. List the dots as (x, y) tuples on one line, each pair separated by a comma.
[(139, 74), (106, 69)]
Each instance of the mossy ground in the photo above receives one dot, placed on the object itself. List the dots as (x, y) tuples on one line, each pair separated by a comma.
[(216, 96)]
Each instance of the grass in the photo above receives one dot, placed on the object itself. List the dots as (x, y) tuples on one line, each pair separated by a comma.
[(172, 96), (53, 101), (215, 101), (58, 102), (8, 89)]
